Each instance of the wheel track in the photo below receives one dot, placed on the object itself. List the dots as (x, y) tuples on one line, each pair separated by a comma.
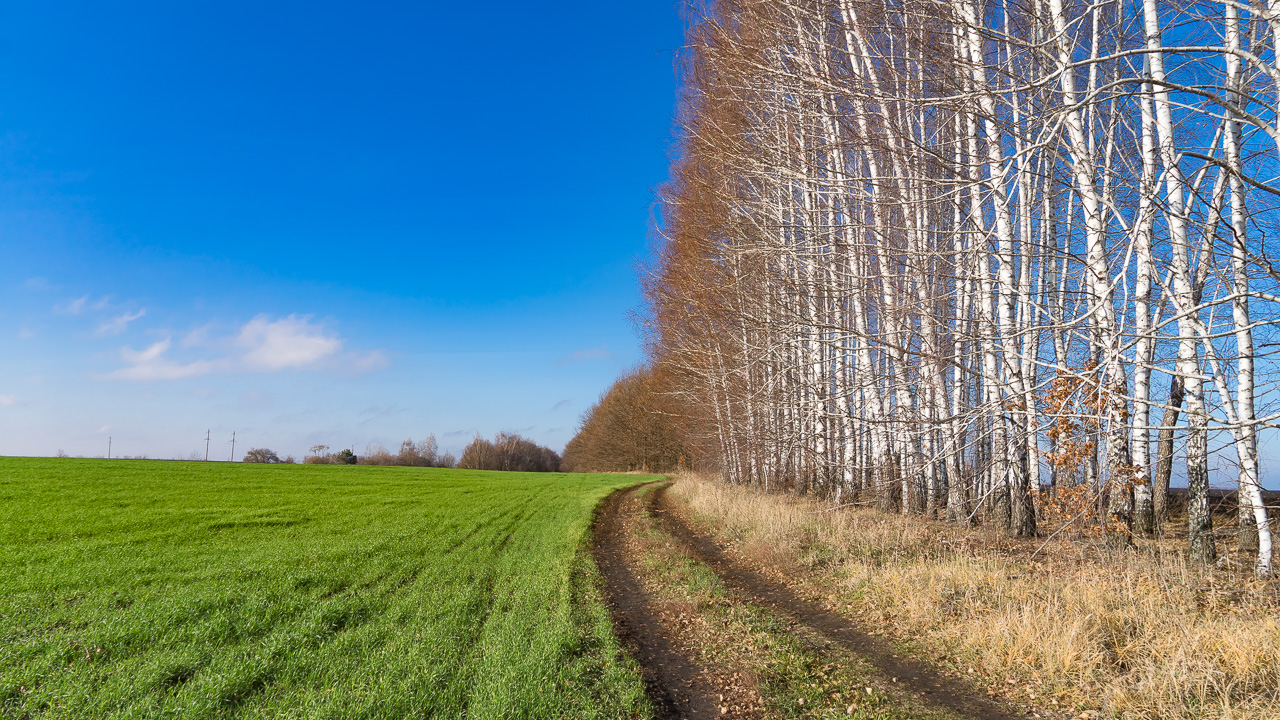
[(677, 686), (674, 682), (931, 686)]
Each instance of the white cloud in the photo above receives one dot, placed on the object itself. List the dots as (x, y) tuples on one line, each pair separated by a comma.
[(290, 342), (259, 346), (7, 400), (118, 324)]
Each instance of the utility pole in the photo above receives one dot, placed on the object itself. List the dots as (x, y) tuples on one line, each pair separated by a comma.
[(233, 446), (206, 444), (108, 447)]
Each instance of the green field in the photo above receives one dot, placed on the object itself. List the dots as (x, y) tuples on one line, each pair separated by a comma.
[(175, 589)]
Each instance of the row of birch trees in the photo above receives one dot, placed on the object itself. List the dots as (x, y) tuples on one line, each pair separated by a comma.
[(996, 260)]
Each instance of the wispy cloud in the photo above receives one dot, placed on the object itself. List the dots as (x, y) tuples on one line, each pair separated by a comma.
[(254, 399), (579, 356), (152, 364), (198, 337), (72, 307), (374, 412), (7, 400), (261, 345), (366, 362), (562, 404), (118, 324), (81, 304)]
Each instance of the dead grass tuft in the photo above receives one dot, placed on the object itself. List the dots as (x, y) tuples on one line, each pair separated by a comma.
[(1140, 635)]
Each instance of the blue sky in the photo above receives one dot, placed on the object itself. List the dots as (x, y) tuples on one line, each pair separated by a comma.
[(321, 222)]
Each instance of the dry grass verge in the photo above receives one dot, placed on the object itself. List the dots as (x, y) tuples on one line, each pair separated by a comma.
[(1139, 635)]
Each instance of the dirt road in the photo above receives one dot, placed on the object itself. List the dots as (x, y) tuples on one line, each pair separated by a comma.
[(678, 687), (675, 683)]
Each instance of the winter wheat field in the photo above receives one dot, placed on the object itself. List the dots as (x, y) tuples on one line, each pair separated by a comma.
[(162, 589)]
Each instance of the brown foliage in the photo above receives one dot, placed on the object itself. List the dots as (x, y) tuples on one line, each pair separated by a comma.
[(261, 455), (633, 427), (421, 454), (508, 451)]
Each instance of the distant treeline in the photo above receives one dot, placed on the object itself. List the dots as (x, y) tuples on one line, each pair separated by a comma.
[(508, 451), (633, 427), (422, 454)]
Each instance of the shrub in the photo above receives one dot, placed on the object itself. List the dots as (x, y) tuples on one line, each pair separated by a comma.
[(422, 454), (508, 451), (261, 455)]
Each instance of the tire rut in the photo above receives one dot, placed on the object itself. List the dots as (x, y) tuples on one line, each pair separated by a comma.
[(926, 682), (674, 682)]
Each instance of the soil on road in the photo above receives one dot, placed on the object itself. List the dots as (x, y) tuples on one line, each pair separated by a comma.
[(932, 686), (677, 685)]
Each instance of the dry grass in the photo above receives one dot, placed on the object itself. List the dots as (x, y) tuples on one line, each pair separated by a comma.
[(1135, 634)]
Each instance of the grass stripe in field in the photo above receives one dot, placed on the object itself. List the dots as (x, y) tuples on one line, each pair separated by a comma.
[(152, 589)]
